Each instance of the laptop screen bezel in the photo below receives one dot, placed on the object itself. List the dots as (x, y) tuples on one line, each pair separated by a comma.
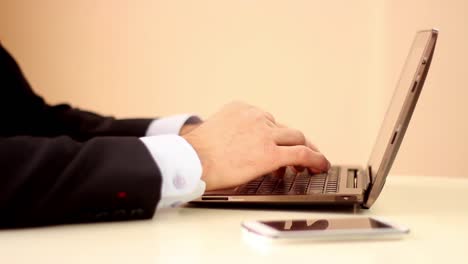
[(377, 181)]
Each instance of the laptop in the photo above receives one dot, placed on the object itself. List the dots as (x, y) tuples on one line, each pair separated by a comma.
[(353, 185)]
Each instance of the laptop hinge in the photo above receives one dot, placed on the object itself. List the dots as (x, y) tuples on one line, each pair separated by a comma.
[(369, 174)]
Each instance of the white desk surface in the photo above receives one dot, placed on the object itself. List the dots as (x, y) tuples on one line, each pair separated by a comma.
[(436, 210)]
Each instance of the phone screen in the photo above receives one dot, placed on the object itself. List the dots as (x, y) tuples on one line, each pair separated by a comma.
[(326, 224)]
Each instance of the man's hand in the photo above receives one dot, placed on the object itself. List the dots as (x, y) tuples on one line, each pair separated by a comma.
[(240, 143)]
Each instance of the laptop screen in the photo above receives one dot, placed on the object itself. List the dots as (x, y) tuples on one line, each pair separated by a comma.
[(398, 110)]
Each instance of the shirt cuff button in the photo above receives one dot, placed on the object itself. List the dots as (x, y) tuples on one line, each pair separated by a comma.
[(179, 182)]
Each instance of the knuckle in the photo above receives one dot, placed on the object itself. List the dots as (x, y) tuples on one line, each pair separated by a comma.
[(256, 114), (300, 136), (269, 115), (269, 149), (302, 154)]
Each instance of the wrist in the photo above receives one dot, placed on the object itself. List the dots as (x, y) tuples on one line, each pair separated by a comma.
[(205, 162), (178, 162), (185, 129), (176, 124)]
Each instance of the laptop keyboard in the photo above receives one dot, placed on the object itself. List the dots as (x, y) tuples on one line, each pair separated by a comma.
[(293, 183)]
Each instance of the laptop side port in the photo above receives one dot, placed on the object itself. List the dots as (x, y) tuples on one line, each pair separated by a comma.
[(352, 180)]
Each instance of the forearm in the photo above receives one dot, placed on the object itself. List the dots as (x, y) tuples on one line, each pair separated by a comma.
[(83, 125), (23, 112), (47, 181), (60, 180)]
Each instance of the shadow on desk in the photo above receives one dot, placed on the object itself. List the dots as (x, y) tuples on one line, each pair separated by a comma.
[(318, 208)]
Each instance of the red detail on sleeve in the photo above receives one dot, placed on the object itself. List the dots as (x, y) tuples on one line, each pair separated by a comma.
[(121, 194)]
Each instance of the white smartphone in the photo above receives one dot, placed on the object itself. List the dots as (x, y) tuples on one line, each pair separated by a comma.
[(328, 228)]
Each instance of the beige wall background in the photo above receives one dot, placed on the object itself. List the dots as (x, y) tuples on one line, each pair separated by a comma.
[(325, 67)]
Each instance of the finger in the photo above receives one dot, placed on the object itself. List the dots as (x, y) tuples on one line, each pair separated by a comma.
[(279, 172), (314, 171), (308, 143), (299, 168), (302, 156), (288, 137), (314, 148)]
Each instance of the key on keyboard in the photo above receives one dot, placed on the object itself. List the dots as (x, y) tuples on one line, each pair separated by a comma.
[(293, 183)]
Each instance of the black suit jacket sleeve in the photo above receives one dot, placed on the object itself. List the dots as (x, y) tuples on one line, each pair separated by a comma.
[(58, 180), (23, 112), (59, 164)]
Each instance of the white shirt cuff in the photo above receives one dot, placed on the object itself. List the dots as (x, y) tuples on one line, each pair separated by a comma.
[(170, 124), (180, 168)]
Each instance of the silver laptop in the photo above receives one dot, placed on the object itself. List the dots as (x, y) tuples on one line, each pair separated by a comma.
[(347, 184)]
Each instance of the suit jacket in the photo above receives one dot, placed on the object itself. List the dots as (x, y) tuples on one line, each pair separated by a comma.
[(60, 165)]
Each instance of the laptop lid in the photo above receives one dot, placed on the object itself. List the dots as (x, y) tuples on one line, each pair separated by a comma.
[(399, 112)]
